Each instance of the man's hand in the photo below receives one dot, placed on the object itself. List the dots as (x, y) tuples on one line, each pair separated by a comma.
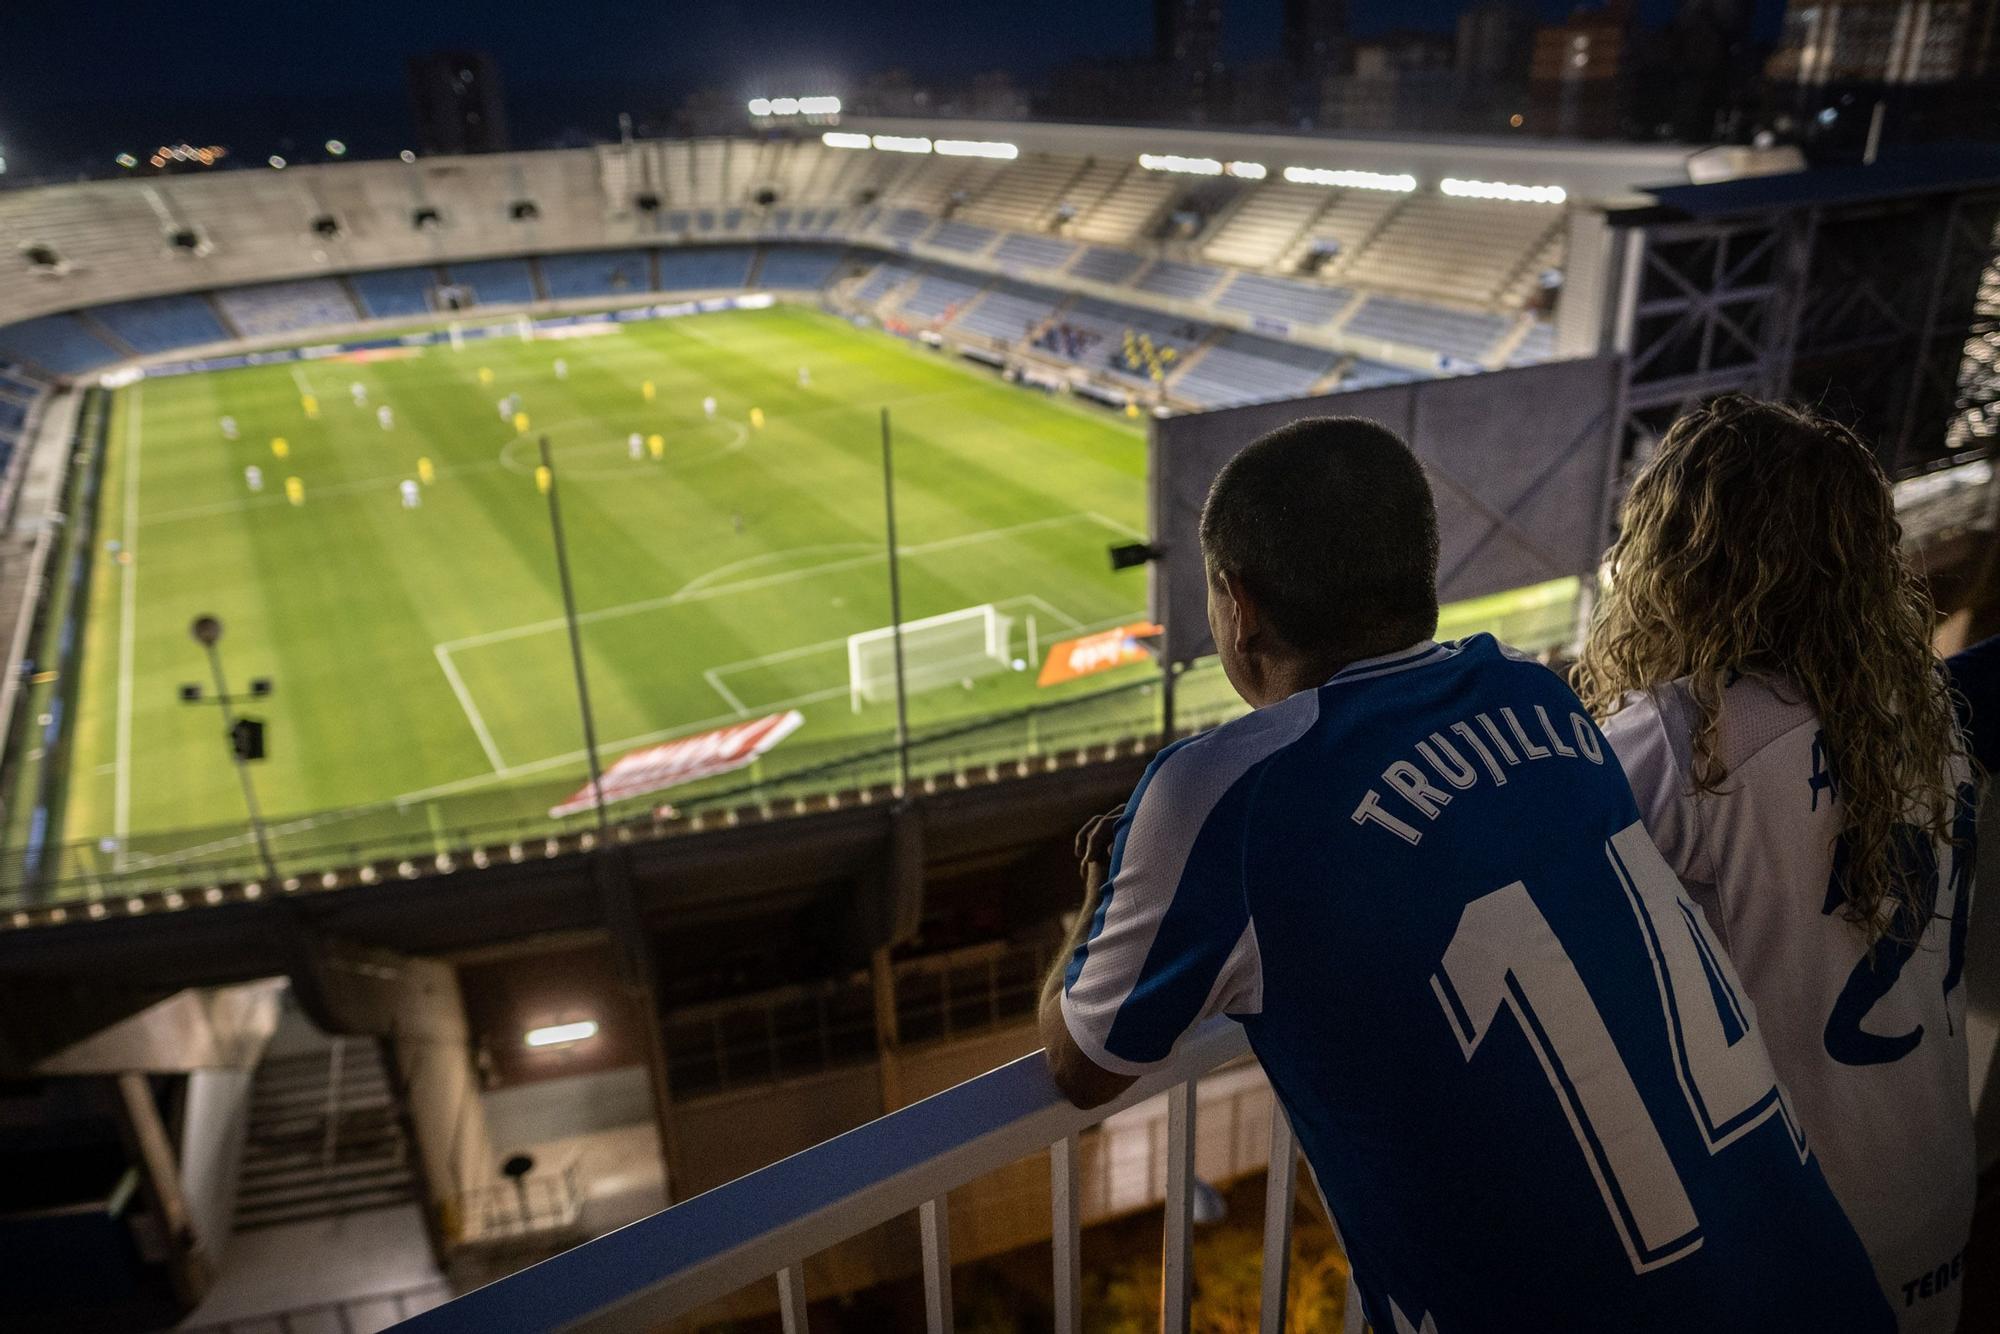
[(1093, 843), (1081, 1079)]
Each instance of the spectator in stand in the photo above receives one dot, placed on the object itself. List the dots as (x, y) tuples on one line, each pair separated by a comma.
[(1763, 666), (1417, 879)]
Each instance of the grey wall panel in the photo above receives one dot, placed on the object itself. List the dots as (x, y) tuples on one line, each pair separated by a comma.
[(1518, 461)]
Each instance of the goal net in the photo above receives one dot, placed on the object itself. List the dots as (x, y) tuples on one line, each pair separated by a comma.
[(937, 650)]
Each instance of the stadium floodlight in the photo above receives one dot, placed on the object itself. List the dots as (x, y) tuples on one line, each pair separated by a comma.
[(760, 106), (822, 105), (1189, 166), (1249, 171), (844, 139), (126, 160), (561, 1035), (407, 155), (901, 143), (977, 148), (1503, 190), (1351, 180), (336, 148), (277, 163), (937, 650)]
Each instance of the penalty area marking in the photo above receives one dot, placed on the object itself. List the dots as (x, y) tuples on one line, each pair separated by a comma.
[(472, 714)]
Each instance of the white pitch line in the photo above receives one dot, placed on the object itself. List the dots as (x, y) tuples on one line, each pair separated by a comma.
[(1116, 526), (128, 616), (472, 714), (747, 585), (727, 694)]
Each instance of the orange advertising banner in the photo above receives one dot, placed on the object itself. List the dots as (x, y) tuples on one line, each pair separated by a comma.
[(1087, 655)]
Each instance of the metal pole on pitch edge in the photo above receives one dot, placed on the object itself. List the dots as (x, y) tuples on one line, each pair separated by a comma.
[(896, 612), (575, 638)]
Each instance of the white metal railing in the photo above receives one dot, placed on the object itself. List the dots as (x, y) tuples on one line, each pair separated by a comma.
[(764, 1226)]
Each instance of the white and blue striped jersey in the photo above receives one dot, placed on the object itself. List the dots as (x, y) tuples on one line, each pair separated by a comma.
[(1870, 1042), (1529, 1085)]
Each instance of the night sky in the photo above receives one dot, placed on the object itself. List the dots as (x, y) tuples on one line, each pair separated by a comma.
[(80, 82)]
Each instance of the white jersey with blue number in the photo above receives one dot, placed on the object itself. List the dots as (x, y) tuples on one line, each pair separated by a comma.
[(1870, 1046), (1529, 1084)]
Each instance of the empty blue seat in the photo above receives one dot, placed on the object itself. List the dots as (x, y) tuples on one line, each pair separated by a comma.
[(1280, 299), (282, 308), (1242, 368), (1538, 345), (1188, 282), (395, 293), (1009, 311), (58, 344), (704, 268), (906, 224), (963, 236), (596, 273), (938, 291), (497, 282), (881, 282), (1465, 335), (1036, 252), (162, 323), (806, 268), (1361, 373), (1105, 264)]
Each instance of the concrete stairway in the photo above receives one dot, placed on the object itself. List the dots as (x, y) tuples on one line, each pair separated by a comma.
[(325, 1138)]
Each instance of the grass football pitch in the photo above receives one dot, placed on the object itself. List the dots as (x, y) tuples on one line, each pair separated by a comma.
[(420, 665)]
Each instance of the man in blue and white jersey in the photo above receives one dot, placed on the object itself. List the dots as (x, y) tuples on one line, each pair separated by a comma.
[(1527, 1081)]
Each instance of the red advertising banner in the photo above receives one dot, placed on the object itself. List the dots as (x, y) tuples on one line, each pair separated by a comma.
[(1100, 652), (685, 759)]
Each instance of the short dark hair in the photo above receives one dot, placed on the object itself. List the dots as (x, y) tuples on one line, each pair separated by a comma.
[(1330, 525)]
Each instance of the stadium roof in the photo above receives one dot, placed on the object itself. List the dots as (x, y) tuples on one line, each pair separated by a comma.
[(1587, 171), (1944, 169)]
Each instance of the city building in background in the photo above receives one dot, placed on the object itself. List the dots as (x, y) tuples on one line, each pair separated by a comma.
[(455, 98), (1578, 75)]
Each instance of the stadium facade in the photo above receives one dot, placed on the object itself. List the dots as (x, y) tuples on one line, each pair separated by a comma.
[(759, 976)]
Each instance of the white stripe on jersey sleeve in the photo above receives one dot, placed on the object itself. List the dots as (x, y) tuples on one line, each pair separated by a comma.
[(1171, 814), (1655, 764)]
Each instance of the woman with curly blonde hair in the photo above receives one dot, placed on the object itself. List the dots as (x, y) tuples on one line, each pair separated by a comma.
[(1763, 665)]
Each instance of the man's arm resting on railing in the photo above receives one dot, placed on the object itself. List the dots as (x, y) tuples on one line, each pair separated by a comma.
[(1082, 1080)]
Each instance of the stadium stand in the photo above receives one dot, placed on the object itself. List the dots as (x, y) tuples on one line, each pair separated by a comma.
[(281, 308), (1262, 230), (1094, 332), (14, 380), (906, 224), (1460, 249), (12, 414), (1186, 282), (1465, 335), (1362, 373), (58, 344), (883, 279), (1242, 368), (497, 281), (1032, 189), (1349, 221), (790, 267), (161, 323), (940, 292), (601, 273), (1538, 345), (1280, 299), (1122, 213), (394, 292), (703, 268), (1034, 252), (965, 236), (1103, 264), (1009, 311)]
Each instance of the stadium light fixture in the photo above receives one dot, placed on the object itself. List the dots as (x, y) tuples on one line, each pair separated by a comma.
[(1399, 183), (901, 143), (763, 107), (336, 148), (1187, 166), (1249, 171), (1503, 190), (407, 155), (126, 160), (277, 163), (844, 139), (561, 1035), (977, 148)]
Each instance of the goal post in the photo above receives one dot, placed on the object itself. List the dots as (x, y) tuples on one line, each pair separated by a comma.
[(937, 650)]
